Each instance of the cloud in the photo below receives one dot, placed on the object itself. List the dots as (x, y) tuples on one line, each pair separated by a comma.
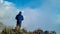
[(7, 12), (36, 18)]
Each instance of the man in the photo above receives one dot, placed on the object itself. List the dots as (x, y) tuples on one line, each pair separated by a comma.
[(19, 19)]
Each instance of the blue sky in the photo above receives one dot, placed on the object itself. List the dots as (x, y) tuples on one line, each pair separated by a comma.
[(43, 14), (25, 3)]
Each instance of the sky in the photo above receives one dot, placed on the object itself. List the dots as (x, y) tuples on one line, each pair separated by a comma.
[(43, 14)]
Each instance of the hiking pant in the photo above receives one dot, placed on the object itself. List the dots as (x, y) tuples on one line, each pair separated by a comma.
[(19, 23)]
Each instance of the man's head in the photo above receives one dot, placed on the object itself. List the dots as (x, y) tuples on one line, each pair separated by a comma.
[(20, 12)]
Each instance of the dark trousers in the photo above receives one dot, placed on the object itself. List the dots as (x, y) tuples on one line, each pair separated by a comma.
[(19, 23)]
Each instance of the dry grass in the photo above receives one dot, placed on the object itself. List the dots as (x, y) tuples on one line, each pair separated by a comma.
[(22, 31)]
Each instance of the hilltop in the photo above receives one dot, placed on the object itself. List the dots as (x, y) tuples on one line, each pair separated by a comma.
[(24, 31)]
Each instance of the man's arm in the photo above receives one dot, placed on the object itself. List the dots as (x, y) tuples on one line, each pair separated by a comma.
[(22, 18)]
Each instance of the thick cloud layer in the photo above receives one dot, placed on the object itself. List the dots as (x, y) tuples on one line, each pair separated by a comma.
[(7, 12)]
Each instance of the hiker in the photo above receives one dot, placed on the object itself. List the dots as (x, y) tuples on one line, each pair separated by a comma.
[(19, 19)]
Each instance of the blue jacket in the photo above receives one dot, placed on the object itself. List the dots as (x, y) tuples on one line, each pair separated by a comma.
[(19, 17)]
